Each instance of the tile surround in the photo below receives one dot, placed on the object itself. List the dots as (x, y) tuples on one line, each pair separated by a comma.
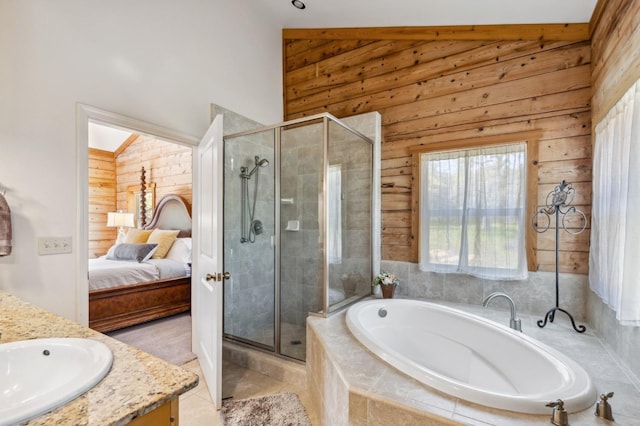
[(623, 340), (535, 295)]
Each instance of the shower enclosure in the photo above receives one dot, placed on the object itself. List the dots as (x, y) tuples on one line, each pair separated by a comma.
[(297, 228)]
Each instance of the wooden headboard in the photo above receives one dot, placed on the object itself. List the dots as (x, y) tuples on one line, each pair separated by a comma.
[(171, 212)]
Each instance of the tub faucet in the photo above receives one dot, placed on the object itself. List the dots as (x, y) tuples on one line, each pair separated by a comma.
[(559, 416), (513, 322)]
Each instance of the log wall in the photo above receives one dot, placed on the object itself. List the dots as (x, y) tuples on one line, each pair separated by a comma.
[(167, 165), (615, 50), (102, 199), (451, 84)]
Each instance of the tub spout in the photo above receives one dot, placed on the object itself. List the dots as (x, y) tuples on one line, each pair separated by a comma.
[(513, 322)]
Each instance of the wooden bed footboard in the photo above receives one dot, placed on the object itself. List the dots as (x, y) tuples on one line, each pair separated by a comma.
[(115, 308)]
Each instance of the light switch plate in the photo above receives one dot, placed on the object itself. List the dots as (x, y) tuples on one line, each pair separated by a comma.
[(54, 245)]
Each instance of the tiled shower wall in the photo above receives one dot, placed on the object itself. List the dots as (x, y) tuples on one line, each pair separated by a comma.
[(535, 295)]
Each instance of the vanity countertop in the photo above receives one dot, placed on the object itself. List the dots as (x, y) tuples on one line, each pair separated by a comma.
[(137, 383)]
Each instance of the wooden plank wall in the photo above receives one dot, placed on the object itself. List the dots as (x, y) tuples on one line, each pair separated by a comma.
[(431, 89), (102, 199), (168, 165), (615, 50)]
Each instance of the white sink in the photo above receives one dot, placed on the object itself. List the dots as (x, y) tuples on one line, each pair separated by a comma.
[(39, 375)]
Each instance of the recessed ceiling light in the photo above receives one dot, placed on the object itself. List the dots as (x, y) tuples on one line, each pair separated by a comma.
[(299, 4)]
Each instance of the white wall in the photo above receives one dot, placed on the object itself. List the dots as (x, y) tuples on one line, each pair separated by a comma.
[(160, 61)]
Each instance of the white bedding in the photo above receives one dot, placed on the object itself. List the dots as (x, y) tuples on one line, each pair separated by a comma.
[(105, 273)]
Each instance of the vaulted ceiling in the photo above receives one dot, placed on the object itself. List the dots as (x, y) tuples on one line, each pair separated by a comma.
[(385, 13)]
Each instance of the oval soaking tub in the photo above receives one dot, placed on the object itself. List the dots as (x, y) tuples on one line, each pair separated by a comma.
[(470, 357)]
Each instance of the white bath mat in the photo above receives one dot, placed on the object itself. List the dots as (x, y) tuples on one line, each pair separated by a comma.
[(283, 409)]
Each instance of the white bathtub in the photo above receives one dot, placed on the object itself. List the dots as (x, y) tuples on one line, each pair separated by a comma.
[(470, 357)]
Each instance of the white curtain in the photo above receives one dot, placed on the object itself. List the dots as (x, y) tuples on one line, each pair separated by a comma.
[(472, 212), (334, 201), (614, 260)]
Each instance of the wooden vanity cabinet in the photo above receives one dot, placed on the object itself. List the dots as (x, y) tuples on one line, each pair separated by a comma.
[(165, 415)]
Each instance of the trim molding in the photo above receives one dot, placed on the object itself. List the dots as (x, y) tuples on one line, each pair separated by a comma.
[(569, 32), (84, 114)]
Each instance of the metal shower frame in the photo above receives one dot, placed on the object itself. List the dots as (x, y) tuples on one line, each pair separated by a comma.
[(325, 118)]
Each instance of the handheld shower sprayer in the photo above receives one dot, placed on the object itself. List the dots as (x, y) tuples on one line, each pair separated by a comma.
[(253, 227), (262, 163), (259, 163)]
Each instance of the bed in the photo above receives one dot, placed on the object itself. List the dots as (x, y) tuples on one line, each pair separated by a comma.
[(126, 293)]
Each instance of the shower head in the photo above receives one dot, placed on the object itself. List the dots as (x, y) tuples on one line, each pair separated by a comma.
[(259, 163)]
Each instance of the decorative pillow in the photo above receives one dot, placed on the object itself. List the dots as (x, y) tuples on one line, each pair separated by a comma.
[(137, 236), (130, 252), (111, 251), (180, 251), (164, 239)]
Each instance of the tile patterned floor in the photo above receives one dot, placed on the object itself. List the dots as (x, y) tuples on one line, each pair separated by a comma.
[(196, 407)]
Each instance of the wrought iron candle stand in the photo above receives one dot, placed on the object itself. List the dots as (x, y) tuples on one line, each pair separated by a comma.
[(561, 196)]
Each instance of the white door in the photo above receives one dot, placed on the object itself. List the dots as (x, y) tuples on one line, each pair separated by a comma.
[(208, 275)]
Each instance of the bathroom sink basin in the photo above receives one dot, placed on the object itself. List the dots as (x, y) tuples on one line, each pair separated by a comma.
[(39, 375)]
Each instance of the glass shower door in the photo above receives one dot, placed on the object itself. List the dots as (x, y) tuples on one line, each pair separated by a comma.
[(249, 229)]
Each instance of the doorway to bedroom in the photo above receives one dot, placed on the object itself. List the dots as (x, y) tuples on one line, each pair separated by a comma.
[(122, 165), (130, 175)]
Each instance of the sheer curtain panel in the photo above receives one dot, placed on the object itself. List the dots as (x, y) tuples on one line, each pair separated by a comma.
[(472, 212), (614, 260)]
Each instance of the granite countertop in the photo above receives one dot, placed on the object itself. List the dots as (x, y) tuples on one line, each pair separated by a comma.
[(137, 383)]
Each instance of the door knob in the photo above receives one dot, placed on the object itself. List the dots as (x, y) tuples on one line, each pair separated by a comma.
[(218, 276)]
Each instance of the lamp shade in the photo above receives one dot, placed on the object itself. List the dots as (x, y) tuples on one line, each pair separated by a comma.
[(120, 219)]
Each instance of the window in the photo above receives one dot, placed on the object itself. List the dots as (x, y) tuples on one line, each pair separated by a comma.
[(334, 201), (473, 201)]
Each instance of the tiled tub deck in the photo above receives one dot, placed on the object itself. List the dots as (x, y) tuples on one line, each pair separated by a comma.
[(351, 386)]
